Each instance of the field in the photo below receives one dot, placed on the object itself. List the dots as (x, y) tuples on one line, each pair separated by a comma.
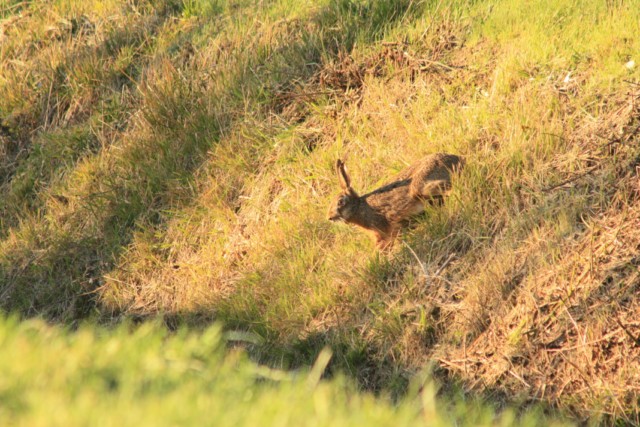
[(174, 160)]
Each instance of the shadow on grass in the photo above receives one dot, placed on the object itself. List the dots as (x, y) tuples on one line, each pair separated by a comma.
[(57, 244), (76, 106)]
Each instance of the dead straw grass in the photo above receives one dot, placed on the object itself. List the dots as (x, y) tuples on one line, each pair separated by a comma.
[(568, 331)]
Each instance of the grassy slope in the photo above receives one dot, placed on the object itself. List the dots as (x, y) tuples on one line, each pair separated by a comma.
[(177, 157)]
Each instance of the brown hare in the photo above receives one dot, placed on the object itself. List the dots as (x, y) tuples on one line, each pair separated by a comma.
[(384, 210)]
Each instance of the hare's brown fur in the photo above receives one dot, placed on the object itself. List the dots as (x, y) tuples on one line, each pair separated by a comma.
[(384, 210)]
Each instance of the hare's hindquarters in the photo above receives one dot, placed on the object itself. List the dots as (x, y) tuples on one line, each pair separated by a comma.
[(432, 178)]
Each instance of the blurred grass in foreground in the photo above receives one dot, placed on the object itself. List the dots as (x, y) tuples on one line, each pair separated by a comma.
[(144, 375)]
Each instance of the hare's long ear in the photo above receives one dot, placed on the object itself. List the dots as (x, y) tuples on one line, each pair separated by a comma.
[(345, 181)]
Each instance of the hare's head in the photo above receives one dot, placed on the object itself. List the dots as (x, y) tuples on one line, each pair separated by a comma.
[(346, 204)]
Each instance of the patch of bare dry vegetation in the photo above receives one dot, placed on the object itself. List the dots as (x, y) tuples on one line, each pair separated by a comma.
[(566, 330)]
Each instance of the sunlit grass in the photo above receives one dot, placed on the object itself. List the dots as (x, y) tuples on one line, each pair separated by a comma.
[(144, 375)]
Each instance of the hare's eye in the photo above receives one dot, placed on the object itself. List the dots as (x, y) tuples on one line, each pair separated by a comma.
[(342, 202)]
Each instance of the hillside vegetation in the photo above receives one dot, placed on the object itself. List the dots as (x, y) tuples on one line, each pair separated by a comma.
[(177, 157)]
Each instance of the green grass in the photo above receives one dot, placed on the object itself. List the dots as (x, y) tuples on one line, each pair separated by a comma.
[(144, 375), (177, 157)]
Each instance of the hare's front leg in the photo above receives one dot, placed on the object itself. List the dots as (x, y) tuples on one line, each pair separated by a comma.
[(384, 241)]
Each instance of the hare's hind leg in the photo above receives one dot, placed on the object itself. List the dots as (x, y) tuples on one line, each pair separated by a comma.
[(429, 189)]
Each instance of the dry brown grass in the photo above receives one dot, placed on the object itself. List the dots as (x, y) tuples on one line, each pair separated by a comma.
[(565, 330)]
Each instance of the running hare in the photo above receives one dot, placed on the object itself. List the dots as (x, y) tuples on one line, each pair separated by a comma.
[(384, 210)]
